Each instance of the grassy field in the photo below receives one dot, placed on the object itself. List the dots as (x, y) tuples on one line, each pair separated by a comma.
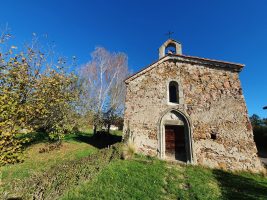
[(101, 175), (36, 162), (74, 146), (145, 178), (39, 162)]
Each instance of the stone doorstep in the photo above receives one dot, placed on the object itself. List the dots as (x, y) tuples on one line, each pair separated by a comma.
[(172, 160)]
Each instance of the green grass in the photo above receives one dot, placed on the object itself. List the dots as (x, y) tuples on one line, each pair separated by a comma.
[(36, 162), (124, 180), (116, 132), (93, 174), (73, 148), (153, 179), (191, 182), (90, 131)]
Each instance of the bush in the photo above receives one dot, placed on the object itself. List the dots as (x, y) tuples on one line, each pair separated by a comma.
[(128, 151)]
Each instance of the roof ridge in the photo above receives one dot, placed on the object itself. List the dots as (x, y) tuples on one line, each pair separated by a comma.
[(208, 59)]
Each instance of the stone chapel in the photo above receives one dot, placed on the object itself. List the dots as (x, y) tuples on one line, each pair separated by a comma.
[(192, 110)]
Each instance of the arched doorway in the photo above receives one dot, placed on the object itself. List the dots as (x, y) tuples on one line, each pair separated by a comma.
[(175, 141)]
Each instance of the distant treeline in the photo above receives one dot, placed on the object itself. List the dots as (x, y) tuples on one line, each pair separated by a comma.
[(260, 132)]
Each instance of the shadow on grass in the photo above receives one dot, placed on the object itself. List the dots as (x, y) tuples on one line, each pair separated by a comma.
[(241, 186), (100, 141), (34, 138)]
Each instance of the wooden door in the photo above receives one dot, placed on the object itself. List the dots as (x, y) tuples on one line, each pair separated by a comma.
[(175, 142)]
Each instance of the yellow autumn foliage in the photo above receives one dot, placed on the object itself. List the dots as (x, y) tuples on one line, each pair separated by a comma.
[(39, 99)]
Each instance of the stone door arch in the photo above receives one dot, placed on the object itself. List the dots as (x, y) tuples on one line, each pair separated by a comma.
[(180, 123)]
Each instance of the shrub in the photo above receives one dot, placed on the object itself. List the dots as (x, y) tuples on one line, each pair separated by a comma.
[(129, 150)]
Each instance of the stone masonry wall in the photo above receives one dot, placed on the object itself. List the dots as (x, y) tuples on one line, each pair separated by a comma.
[(213, 101)]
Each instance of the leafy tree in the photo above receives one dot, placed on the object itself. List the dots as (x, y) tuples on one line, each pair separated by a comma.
[(34, 95), (260, 132), (13, 109), (255, 120), (53, 103)]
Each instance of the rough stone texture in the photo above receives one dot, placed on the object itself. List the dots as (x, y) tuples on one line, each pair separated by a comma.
[(212, 99)]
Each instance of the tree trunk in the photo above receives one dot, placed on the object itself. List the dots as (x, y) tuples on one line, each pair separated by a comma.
[(95, 128), (108, 128)]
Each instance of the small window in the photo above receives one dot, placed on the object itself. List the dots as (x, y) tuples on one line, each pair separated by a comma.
[(213, 136), (173, 92)]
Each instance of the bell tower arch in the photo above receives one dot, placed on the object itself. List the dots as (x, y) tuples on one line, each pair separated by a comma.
[(170, 47)]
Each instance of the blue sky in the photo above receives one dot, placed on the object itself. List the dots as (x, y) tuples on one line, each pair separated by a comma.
[(226, 30)]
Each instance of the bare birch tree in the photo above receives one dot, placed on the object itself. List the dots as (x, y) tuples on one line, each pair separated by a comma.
[(102, 84)]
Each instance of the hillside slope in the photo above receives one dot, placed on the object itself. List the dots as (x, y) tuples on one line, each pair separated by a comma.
[(79, 170), (146, 178)]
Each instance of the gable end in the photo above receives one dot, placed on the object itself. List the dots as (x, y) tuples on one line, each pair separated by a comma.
[(192, 60)]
